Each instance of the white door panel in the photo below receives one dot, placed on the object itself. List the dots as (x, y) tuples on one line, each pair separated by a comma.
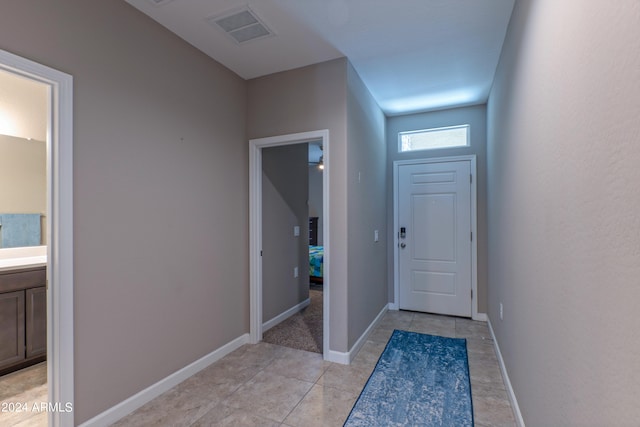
[(435, 254), (433, 216)]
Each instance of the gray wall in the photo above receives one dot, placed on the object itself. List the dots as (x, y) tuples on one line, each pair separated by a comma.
[(564, 242), (476, 117), (285, 190), (160, 192), (331, 96), (300, 100), (366, 186)]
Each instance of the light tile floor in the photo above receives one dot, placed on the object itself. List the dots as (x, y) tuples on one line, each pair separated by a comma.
[(269, 385), (19, 392)]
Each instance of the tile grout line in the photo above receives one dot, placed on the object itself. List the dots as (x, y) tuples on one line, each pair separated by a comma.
[(298, 404), (240, 385), (263, 369), (308, 391)]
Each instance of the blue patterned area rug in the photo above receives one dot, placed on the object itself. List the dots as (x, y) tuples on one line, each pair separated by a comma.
[(419, 380)]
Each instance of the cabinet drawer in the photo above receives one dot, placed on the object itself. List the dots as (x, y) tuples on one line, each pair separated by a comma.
[(23, 280)]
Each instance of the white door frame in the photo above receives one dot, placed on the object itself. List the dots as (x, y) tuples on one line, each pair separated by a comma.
[(60, 344), (474, 242), (255, 227)]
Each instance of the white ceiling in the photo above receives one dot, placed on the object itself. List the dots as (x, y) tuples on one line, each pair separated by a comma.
[(413, 55)]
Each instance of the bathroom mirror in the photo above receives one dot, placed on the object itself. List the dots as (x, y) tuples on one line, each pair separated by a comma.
[(23, 161)]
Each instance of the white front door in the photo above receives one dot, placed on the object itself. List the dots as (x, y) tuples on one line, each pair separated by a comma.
[(434, 237)]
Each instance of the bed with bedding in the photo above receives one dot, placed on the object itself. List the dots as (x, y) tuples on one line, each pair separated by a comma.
[(316, 261)]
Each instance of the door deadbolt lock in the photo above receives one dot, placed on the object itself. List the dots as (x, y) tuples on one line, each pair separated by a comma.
[(403, 232)]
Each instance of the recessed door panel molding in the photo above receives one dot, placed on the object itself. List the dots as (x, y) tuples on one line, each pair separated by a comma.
[(434, 217), (433, 178), (434, 282)]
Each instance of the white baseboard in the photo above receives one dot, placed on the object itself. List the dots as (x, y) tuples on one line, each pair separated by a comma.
[(507, 381), (346, 358), (337, 357), (394, 306), (285, 315), (129, 405), (481, 317)]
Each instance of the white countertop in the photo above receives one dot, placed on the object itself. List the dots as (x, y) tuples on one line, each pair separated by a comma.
[(21, 258)]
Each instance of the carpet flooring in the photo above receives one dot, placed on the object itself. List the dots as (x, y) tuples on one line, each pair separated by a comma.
[(419, 380), (303, 330)]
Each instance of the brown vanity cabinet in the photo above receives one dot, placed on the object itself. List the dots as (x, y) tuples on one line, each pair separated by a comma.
[(23, 318)]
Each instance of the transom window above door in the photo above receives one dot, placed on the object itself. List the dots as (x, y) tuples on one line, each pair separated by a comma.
[(434, 138)]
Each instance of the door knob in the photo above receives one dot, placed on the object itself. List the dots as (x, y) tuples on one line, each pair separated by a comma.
[(403, 245)]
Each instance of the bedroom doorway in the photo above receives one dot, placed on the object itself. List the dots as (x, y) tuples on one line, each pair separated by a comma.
[(59, 228), (302, 228)]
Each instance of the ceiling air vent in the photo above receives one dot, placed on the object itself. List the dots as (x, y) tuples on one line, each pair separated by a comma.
[(159, 2), (242, 25)]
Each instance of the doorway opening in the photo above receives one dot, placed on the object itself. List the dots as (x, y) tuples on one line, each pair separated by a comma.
[(58, 223), (320, 137)]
